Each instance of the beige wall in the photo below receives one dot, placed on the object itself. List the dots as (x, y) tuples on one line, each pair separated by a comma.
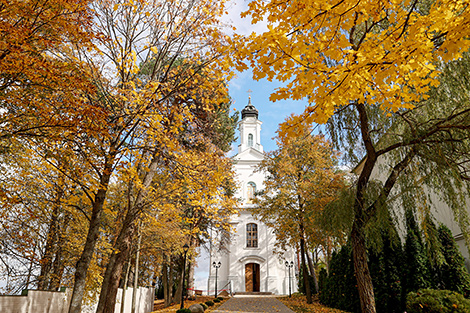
[(58, 302)]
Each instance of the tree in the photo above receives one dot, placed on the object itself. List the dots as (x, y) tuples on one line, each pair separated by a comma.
[(340, 290), (454, 274), (40, 78), (188, 181), (301, 180), (416, 272), (364, 66), (386, 265), (145, 85), (143, 115), (43, 217)]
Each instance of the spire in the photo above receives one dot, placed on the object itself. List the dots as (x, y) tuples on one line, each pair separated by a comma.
[(249, 110)]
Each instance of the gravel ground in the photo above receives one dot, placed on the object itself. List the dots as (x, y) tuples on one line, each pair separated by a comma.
[(253, 304)]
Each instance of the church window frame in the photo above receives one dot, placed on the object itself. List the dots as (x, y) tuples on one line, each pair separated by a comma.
[(252, 235), (250, 140), (250, 191)]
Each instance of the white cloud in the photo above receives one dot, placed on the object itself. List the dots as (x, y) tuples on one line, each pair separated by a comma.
[(243, 25)]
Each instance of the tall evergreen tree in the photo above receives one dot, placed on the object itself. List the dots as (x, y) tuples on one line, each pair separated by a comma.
[(433, 249), (340, 288), (386, 272), (416, 274), (453, 273)]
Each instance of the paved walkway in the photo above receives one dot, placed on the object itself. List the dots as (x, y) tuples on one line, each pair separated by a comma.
[(258, 304)]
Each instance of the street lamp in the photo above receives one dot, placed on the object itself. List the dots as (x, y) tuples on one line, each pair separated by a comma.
[(185, 249), (216, 266), (289, 266)]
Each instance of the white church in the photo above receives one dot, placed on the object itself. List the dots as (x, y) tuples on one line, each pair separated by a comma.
[(250, 265)]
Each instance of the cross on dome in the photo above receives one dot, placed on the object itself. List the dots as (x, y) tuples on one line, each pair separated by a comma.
[(250, 109)]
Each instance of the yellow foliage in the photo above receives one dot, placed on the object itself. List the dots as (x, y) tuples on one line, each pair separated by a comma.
[(302, 180), (336, 52)]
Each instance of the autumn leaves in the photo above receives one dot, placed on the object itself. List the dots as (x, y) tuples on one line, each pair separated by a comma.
[(114, 119), (116, 114)]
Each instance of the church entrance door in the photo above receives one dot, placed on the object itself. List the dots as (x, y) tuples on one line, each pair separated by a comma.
[(252, 280)]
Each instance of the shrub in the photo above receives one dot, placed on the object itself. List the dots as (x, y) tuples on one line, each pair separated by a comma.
[(220, 298), (183, 311), (209, 303), (216, 300), (436, 301), (204, 306)]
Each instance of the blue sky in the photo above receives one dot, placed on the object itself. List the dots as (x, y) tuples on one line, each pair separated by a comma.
[(270, 113)]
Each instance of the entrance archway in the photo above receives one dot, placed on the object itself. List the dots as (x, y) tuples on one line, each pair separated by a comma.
[(252, 279)]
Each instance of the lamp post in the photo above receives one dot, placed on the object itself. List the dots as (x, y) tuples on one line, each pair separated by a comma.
[(289, 266), (185, 249), (216, 266)]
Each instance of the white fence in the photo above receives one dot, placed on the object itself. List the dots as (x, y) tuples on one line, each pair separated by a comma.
[(36, 302), (58, 302)]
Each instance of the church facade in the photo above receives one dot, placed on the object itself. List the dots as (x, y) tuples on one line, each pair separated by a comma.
[(249, 263)]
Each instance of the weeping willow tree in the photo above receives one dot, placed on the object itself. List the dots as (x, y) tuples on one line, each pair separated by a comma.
[(411, 160)]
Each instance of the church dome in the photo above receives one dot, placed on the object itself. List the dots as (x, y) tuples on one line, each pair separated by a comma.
[(249, 110)]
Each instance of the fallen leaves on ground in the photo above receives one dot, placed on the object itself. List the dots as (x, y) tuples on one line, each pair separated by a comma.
[(298, 303)]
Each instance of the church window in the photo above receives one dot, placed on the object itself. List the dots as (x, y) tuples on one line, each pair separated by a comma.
[(252, 235), (250, 140), (250, 194)]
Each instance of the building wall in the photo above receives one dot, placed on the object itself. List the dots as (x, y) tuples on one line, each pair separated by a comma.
[(440, 210), (38, 301), (273, 272)]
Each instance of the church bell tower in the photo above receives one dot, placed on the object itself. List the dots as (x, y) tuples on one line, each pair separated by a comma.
[(250, 129)]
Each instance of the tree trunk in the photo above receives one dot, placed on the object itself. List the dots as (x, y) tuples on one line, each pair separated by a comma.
[(328, 254), (124, 287), (136, 276), (92, 237), (123, 242), (361, 269), (312, 271), (51, 244), (191, 278), (114, 268), (58, 268), (304, 265), (30, 270), (166, 286), (179, 289)]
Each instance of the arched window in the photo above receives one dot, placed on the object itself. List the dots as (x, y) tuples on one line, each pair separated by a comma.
[(251, 235), (250, 140), (250, 192)]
